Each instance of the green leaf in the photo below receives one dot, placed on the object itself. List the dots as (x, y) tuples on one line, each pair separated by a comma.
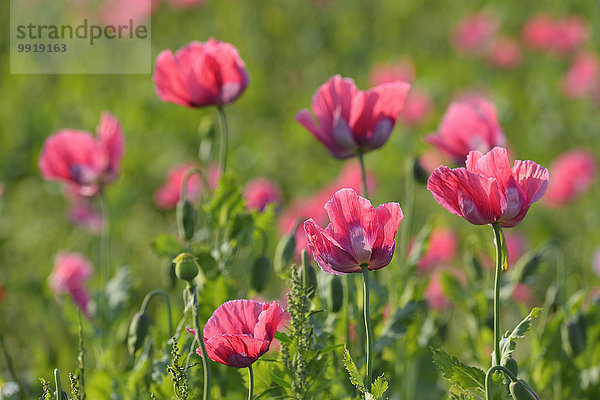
[(166, 245), (508, 342), (457, 372), (379, 387), (282, 337), (281, 382), (355, 377)]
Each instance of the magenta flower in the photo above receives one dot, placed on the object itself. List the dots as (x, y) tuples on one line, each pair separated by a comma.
[(469, 124), (517, 245), (488, 190), (538, 32), (559, 36), (348, 120), (417, 108), (240, 331), (596, 261), (81, 161), (82, 212), (434, 293), (71, 271), (583, 76), (201, 74), (573, 173), (167, 196), (522, 293), (261, 191), (505, 52), (389, 73), (357, 235), (474, 32), (441, 249)]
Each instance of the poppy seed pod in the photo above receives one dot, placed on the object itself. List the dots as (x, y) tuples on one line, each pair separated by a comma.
[(520, 391), (336, 294), (284, 251), (138, 330), (511, 365), (260, 273), (186, 266), (186, 219)]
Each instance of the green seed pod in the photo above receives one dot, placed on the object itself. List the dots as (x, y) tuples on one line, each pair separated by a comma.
[(284, 252), (512, 366), (186, 266), (260, 273), (186, 219), (138, 329), (573, 334), (520, 391), (311, 285), (336, 294)]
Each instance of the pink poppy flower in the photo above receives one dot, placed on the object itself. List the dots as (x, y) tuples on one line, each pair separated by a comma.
[(570, 34), (538, 32), (240, 331), (349, 120), (71, 271), (82, 161), (82, 212), (261, 191), (200, 74), (488, 190), (1, 292), (582, 78), (442, 248), (119, 12), (417, 108), (389, 73), (573, 173), (358, 234), (167, 196), (505, 52), (522, 293), (434, 293), (596, 262), (469, 124), (474, 32), (517, 244)]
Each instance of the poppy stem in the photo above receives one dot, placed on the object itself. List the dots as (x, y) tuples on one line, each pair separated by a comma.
[(223, 141), (250, 383), (498, 240), (193, 291), (488, 378), (369, 332), (363, 171), (147, 299)]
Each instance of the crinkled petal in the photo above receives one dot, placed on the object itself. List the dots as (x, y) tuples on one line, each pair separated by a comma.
[(268, 321), (238, 351), (234, 317), (327, 252), (169, 81), (111, 139), (389, 216), (532, 179)]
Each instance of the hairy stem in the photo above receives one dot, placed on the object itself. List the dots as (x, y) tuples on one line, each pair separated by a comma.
[(368, 331)]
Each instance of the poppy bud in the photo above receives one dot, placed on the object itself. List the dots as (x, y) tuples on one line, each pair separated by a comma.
[(284, 251), (311, 285), (336, 294), (260, 273), (186, 266), (186, 219), (512, 366), (574, 335), (520, 391), (138, 329)]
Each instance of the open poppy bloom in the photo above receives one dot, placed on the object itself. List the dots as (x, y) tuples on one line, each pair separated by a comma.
[(201, 74), (358, 234), (71, 271), (348, 120), (574, 174), (240, 331), (488, 190)]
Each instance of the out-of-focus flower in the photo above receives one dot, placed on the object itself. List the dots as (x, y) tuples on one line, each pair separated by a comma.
[(516, 243), (474, 32), (82, 212), (468, 124), (348, 120), (488, 190), (185, 3), (442, 248), (560, 36), (573, 173), (522, 293), (1, 189), (200, 74), (358, 234), (240, 331), (583, 76), (261, 191), (505, 52), (596, 261), (417, 108), (1, 292), (434, 293), (71, 271), (167, 196), (119, 12), (82, 161), (389, 73)]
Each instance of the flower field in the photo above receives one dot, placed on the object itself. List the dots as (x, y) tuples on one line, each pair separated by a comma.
[(315, 199)]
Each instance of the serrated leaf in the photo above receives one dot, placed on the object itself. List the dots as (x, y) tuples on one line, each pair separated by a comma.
[(457, 372), (379, 387), (508, 342), (355, 377)]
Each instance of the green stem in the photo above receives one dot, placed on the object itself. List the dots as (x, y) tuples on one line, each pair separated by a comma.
[(147, 299), (250, 383), (488, 378), (497, 235), (363, 170), (193, 291), (81, 359), (223, 141), (57, 384), (368, 331)]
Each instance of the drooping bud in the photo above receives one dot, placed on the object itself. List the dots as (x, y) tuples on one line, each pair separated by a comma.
[(521, 391), (336, 293), (186, 266), (311, 285), (260, 273), (511, 365), (573, 334), (186, 219), (138, 330), (284, 252)]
